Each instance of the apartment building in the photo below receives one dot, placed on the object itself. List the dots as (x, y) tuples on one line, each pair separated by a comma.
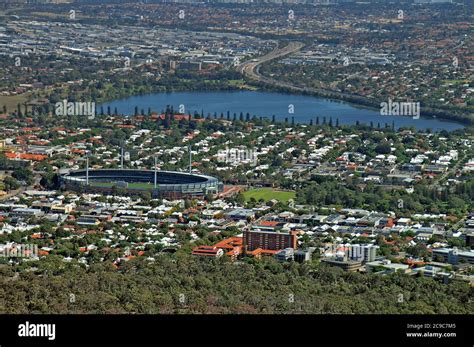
[(269, 240)]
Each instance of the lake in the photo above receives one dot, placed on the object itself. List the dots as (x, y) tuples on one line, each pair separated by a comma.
[(266, 104)]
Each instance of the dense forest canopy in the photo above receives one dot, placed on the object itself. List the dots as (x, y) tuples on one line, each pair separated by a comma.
[(184, 284)]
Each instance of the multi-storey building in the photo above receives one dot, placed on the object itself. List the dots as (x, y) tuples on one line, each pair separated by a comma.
[(269, 240), (365, 253), (453, 255)]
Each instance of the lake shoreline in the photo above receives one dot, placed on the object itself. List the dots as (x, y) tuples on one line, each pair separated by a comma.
[(266, 103), (360, 102)]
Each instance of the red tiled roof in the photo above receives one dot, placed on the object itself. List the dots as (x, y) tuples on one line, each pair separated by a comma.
[(269, 223), (27, 156), (205, 251), (229, 243), (260, 251)]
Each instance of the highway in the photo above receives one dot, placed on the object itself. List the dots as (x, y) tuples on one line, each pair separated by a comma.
[(250, 68)]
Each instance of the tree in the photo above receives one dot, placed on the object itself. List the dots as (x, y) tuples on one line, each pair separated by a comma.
[(10, 183), (23, 174), (240, 199), (383, 148), (3, 161)]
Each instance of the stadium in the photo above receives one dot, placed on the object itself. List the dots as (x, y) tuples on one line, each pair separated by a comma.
[(164, 184)]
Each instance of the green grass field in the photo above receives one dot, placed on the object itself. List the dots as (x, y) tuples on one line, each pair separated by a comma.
[(456, 81), (130, 185), (11, 102), (268, 194)]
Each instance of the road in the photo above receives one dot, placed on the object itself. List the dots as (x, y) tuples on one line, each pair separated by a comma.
[(250, 69), (21, 189), (458, 224), (440, 179)]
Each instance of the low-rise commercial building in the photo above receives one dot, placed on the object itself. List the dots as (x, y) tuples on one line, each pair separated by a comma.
[(453, 255)]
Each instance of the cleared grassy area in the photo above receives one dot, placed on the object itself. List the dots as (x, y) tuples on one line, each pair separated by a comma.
[(268, 194), (457, 81), (11, 102), (130, 185)]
